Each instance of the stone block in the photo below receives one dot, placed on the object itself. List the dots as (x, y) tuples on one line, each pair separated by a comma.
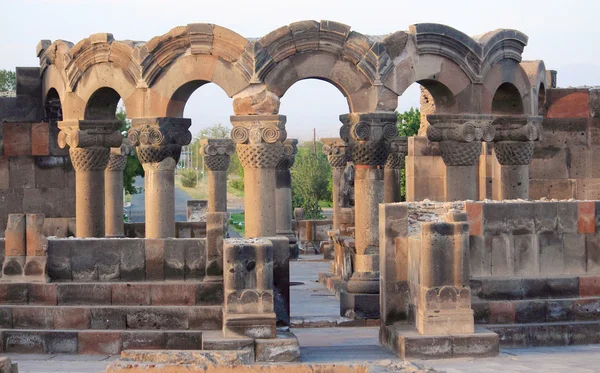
[(183, 340), (195, 258), (130, 295), (495, 218), (520, 218), (568, 103), (14, 293), (15, 236), (11, 202), (549, 162), (40, 139), (574, 253), (173, 294), (47, 201), (33, 318), (214, 340), (584, 333), (560, 287), (525, 254), (6, 318), (502, 254), (586, 309), (481, 312), (568, 217), (50, 172), (108, 260), (42, 294), (84, 294), (155, 259), (586, 221), (4, 173), (474, 213), (17, 139), (59, 259), (209, 294), (589, 286), (91, 342), (133, 260), (174, 260), (249, 325), (19, 342), (146, 340), (71, 318), (84, 259), (545, 217), (530, 312), (157, 318), (107, 318), (501, 289), (551, 253), (559, 310), (359, 306), (415, 346), (482, 344), (206, 318), (481, 257), (283, 348), (22, 172), (502, 312)]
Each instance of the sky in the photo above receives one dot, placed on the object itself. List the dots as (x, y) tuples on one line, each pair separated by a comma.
[(565, 34)]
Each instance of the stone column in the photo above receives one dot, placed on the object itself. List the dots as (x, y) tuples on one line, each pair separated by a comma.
[(393, 165), (337, 155), (158, 144), (89, 143), (113, 190), (248, 286), (514, 145), (460, 137), (259, 147), (283, 193), (368, 137), (217, 153)]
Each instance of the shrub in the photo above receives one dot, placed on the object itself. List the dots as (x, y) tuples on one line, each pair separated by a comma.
[(188, 178)]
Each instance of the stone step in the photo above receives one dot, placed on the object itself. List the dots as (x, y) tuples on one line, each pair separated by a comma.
[(547, 334), (111, 317), (536, 310), (177, 293), (96, 342), (511, 288)]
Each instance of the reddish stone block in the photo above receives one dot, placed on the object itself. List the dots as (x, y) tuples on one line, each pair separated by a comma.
[(92, 342), (72, 318), (13, 293), (502, 312), (43, 294), (17, 139), (155, 259), (474, 212), (573, 105), (143, 340), (131, 295), (586, 217), (40, 139), (589, 286), (32, 318), (173, 294)]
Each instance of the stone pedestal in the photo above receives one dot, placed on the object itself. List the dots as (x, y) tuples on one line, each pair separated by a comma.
[(281, 279), (283, 193), (393, 166), (113, 190), (514, 145), (248, 283), (460, 137), (217, 224), (25, 248), (158, 144), (217, 153), (368, 137), (89, 143), (15, 247), (259, 147)]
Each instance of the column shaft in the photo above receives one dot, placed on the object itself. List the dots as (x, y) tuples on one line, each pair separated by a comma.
[(461, 183), (259, 202), (217, 191), (514, 182), (283, 195), (160, 201), (336, 176), (391, 185), (89, 205), (113, 192)]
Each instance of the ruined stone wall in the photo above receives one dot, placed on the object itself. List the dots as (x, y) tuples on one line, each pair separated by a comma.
[(534, 239), (565, 162)]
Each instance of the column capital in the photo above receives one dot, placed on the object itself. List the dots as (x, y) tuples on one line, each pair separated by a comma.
[(159, 138), (117, 160), (336, 151), (259, 139), (397, 153), (514, 140), (290, 148), (367, 135), (460, 136), (217, 153)]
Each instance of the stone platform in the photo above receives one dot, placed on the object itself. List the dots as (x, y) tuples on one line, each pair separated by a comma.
[(406, 342)]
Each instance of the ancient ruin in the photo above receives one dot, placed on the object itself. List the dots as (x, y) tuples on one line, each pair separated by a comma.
[(497, 244)]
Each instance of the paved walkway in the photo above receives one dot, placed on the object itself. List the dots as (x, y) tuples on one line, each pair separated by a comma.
[(352, 345)]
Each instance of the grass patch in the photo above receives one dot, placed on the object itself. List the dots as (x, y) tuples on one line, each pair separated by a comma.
[(198, 192), (236, 222)]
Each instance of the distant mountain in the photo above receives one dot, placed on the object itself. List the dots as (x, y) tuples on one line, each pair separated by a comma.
[(578, 75)]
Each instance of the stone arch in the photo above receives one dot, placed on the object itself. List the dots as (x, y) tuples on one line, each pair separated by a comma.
[(507, 80), (536, 73), (53, 110), (102, 104), (326, 50)]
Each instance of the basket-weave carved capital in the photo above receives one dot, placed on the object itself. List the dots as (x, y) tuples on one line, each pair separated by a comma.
[(368, 136), (398, 149), (515, 136), (288, 157), (158, 138), (336, 151), (217, 153), (117, 160)]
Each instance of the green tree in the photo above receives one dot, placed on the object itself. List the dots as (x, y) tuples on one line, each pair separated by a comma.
[(408, 125), (8, 80), (311, 175), (133, 167)]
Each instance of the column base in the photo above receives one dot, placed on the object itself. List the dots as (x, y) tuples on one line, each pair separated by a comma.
[(359, 306), (364, 283), (437, 322), (250, 325), (407, 343)]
